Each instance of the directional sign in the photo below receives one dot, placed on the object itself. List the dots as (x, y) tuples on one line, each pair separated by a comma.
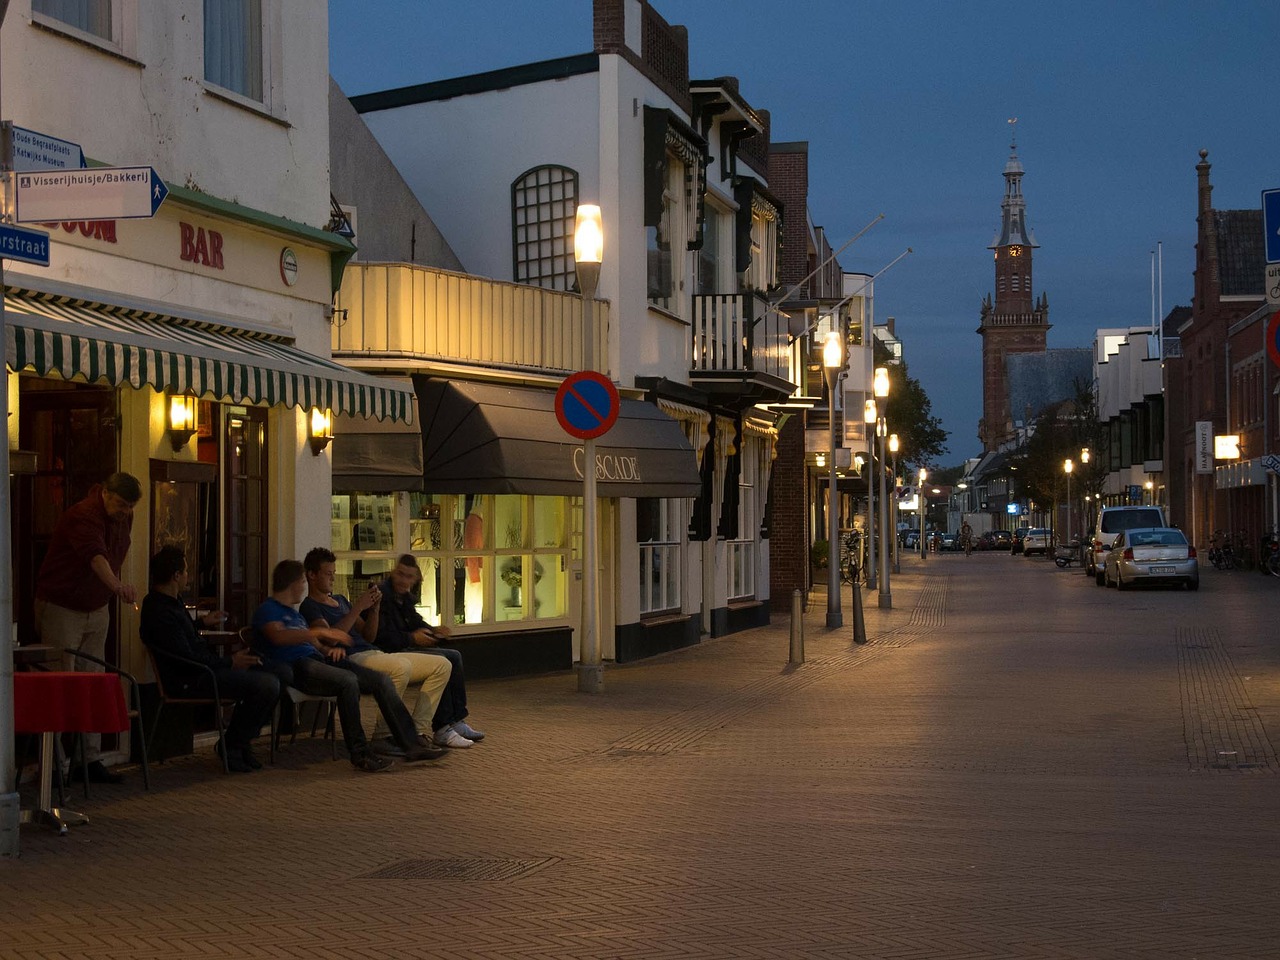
[(1271, 223), (19, 243), (95, 193), (587, 404), (39, 151)]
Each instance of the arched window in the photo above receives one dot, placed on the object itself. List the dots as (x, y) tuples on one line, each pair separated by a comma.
[(544, 201)]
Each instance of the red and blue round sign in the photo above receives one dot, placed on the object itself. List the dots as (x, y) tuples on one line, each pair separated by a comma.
[(587, 404)]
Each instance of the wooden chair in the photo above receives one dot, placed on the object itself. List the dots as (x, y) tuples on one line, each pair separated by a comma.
[(296, 697), (134, 713)]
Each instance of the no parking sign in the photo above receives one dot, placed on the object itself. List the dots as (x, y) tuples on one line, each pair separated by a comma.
[(587, 404)]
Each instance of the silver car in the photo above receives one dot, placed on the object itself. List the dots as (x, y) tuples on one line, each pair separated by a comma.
[(1151, 555), (1036, 541)]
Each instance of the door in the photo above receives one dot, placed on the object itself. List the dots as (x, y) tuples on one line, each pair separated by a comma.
[(245, 484)]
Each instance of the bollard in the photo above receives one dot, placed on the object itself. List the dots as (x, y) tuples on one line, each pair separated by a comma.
[(859, 626), (797, 628)]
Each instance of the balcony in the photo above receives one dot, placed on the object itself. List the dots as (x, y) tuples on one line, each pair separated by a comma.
[(422, 317), (741, 350)]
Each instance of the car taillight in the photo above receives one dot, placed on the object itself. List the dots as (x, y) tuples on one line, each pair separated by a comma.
[(1128, 553), (1191, 553)]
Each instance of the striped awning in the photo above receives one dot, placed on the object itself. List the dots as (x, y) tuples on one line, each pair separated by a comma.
[(103, 343)]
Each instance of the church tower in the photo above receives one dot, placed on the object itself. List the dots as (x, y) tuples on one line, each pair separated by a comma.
[(1013, 324)]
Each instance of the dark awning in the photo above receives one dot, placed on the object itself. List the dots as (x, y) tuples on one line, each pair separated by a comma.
[(489, 438), (376, 456)]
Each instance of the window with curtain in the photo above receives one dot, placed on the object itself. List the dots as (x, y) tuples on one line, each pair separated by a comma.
[(91, 16), (740, 554), (544, 202), (658, 526), (233, 46)]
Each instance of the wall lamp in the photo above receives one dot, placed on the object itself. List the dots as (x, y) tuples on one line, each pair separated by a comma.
[(320, 430), (181, 418)]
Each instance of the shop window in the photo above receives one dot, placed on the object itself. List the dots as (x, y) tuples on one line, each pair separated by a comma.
[(709, 255), (233, 46), (658, 526), (89, 16), (544, 202)]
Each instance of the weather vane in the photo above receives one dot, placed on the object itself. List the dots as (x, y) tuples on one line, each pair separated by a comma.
[(1013, 133)]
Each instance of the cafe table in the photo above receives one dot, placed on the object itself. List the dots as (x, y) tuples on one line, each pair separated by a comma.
[(64, 702)]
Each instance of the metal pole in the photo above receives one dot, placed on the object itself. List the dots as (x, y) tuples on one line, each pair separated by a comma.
[(923, 547), (885, 599), (834, 617), (871, 505), (897, 547), (797, 628), (591, 666)]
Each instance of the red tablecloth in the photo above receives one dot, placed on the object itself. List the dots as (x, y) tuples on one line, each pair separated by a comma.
[(68, 703)]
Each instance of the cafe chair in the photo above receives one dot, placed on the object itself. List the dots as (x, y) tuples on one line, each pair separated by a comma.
[(217, 701), (296, 698), (134, 712)]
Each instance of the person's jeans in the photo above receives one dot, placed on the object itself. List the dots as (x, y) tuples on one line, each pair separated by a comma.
[(256, 692), (405, 669), (67, 629), (320, 678), (390, 705), (453, 701)]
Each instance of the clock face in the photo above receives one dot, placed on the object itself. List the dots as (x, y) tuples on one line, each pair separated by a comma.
[(1015, 251)]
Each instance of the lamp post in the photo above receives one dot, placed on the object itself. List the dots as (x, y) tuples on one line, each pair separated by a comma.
[(924, 474), (1068, 466), (832, 360), (1151, 492), (869, 417), (885, 599), (893, 540), (588, 252)]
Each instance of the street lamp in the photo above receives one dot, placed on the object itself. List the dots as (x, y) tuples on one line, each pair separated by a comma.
[(588, 253), (869, 417), (893, 540), (1151, 494), (832, 360), (880, 385), (920, 505), (1068, 466)]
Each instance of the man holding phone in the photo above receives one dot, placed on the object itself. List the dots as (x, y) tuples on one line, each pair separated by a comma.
[(242, 676)]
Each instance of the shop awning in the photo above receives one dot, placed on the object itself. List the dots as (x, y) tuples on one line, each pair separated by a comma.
[(376, 456), (117, 345), (490, 438)]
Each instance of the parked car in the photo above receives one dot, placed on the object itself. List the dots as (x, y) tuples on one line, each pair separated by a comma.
[(1036, 541), (986, 541), (1111, 521), (949, 541), (1151, 555), (912, 540), (1001, 539), (1018, 534)]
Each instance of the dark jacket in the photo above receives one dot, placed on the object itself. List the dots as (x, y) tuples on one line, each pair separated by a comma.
[(398, 618), (166, 625)]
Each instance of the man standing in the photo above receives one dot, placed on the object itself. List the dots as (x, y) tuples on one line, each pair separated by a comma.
[(323, 608), (317, 658), (168, 628), (80, 577), (401, 629)]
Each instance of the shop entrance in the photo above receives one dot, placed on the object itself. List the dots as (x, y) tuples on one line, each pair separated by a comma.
[(72, 429), (245, 476)]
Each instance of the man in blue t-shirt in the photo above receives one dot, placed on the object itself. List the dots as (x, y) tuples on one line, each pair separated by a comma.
[(316, 656), (323, 608)]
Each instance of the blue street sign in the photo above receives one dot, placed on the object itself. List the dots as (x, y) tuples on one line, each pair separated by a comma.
[(39, 151), (587, 404), (19, 243), (1271, 223)]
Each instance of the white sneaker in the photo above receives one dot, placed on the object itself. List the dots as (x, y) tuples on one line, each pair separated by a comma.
[(468, 731), (448, 737)]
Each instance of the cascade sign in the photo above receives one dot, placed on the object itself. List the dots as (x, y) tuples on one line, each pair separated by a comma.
[(95, 193)]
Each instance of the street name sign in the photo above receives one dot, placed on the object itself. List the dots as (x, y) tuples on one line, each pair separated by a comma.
[(1271, 462), (587, 404), (20, 243), (1271, 223), (95, 193), (39, 151)]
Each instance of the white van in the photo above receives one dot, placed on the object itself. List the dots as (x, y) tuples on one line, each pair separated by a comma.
[(1112, 520)]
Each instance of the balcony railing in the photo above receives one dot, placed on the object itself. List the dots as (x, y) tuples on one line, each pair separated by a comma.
[(420, 313), (740, 332)]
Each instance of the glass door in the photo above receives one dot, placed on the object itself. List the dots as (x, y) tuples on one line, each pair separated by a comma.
[(246, 511)]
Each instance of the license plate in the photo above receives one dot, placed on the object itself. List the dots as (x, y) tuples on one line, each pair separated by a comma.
[(1159, 570)]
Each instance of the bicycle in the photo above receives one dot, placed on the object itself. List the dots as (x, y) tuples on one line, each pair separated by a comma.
[(1220, 553), (850, 548)]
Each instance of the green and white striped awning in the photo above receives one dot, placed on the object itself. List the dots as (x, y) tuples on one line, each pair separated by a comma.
[(102, 343)]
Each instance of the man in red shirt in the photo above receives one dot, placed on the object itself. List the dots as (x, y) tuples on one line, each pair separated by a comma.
[(80, 577)]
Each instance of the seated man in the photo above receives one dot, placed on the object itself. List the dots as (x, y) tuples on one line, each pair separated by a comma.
[(168, 628), (316, 657), (401, 629), (322, 608)]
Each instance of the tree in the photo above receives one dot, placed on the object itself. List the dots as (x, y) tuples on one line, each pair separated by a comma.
[(909, 414), (1061, 432)]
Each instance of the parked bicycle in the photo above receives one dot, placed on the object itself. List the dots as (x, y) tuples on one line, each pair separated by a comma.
[(851, 565), (1221, 555), (1269, 555)]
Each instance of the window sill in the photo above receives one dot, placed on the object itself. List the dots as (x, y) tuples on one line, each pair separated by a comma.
[(243, 102), (660, 617), (667, 314), (92, 41)]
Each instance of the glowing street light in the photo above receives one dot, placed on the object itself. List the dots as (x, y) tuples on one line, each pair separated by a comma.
[(832, 361), (588, 253)]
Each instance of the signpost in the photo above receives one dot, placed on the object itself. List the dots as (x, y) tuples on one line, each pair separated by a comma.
[(587, 404), (19, 243), (95, 193), (39, 151)]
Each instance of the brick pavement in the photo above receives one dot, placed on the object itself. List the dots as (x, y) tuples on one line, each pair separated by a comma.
[(1019, 764)]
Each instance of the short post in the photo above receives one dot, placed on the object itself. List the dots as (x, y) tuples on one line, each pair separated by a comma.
[(797, 628), (859, 625)]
